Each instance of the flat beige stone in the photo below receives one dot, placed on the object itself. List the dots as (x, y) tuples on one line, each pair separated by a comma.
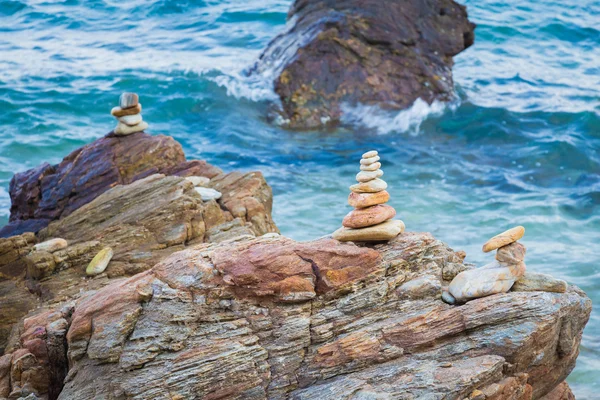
[(370, 154), (362, 200), (131, 120), (120, 112), (384, 231), (363, 217), (124, 130), (369, 161), (51, 245), (373, 186), (99, 262), (508, 237), (366, 176), (536, 282), (372, 167), (480, 282)]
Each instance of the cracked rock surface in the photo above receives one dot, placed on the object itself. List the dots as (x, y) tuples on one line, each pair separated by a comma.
[(372, 52), (273, 318)]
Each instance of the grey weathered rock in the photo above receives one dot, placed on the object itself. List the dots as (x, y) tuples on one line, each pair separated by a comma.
[(533, 281)]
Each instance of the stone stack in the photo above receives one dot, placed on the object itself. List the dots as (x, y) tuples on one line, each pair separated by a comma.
[(129, 115), (371, 220), (496, 277)]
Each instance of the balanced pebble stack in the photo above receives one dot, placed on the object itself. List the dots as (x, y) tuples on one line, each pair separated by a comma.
[(129, 115), (371, 220), (495, 277)]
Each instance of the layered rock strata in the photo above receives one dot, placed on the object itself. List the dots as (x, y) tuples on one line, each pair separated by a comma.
[(108, 194), (270, 318), (371, 220), (372, 52)]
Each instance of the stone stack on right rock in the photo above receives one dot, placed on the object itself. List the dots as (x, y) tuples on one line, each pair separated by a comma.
[(129, 115), (495, 277), (371, 220)]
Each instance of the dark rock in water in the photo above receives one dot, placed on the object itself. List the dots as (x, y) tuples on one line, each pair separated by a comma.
[(371, 52), (46, 193)]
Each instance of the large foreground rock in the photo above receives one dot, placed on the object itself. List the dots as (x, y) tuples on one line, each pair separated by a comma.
[(386, 53), (273, 318)]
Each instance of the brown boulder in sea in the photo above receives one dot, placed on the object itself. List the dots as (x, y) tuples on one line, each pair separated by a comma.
[(373, 52)]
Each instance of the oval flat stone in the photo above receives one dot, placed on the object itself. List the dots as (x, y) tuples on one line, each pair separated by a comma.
[(131, 120), (128, 100), (508, 237), (362, 200), (373, 186), (372, 167), (481, 282), (369, 161), (124, 130), (198, 180), (120, 112), (366, 176), (51, 245), (99, 262), (208, 193), (384, 231), (369, 216), (370, 154)]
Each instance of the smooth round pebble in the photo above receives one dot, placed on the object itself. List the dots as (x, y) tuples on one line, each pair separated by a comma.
[(99, 262), (369, 161), (373, 186), (366, 176), (372, 167), (370, 154)]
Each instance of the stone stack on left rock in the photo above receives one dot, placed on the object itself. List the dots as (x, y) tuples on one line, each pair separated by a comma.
[(371, 220), (129, 115)]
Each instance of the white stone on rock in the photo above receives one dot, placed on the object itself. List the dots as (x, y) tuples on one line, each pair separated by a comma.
[(124, 130), (490, 279), (369, 161), (370, 154), (131, 120), (372, 167), (208, 193), (366, 176), (373, 186), (198, 180), (51, 245)]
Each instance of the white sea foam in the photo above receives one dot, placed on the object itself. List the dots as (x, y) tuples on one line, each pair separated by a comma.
[(384, 121)]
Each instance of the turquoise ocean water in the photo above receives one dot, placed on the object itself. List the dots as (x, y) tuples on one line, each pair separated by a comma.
[(520, 145)]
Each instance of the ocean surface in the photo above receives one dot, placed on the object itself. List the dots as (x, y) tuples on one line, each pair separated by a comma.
[(520, 145)]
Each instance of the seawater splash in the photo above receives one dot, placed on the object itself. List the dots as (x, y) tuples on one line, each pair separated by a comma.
[(385, 122)]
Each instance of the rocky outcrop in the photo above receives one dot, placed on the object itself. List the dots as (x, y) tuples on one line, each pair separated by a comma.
[(369, 52), (272, 318), (49, 192), (142, 221)]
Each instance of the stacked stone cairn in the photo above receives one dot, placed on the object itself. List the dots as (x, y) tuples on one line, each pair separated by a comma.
[(129, 115), (371, 220), (495, 277)]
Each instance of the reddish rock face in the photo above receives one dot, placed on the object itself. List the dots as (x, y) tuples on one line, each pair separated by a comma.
[(386, 53), (46, 193), (362, 217)]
